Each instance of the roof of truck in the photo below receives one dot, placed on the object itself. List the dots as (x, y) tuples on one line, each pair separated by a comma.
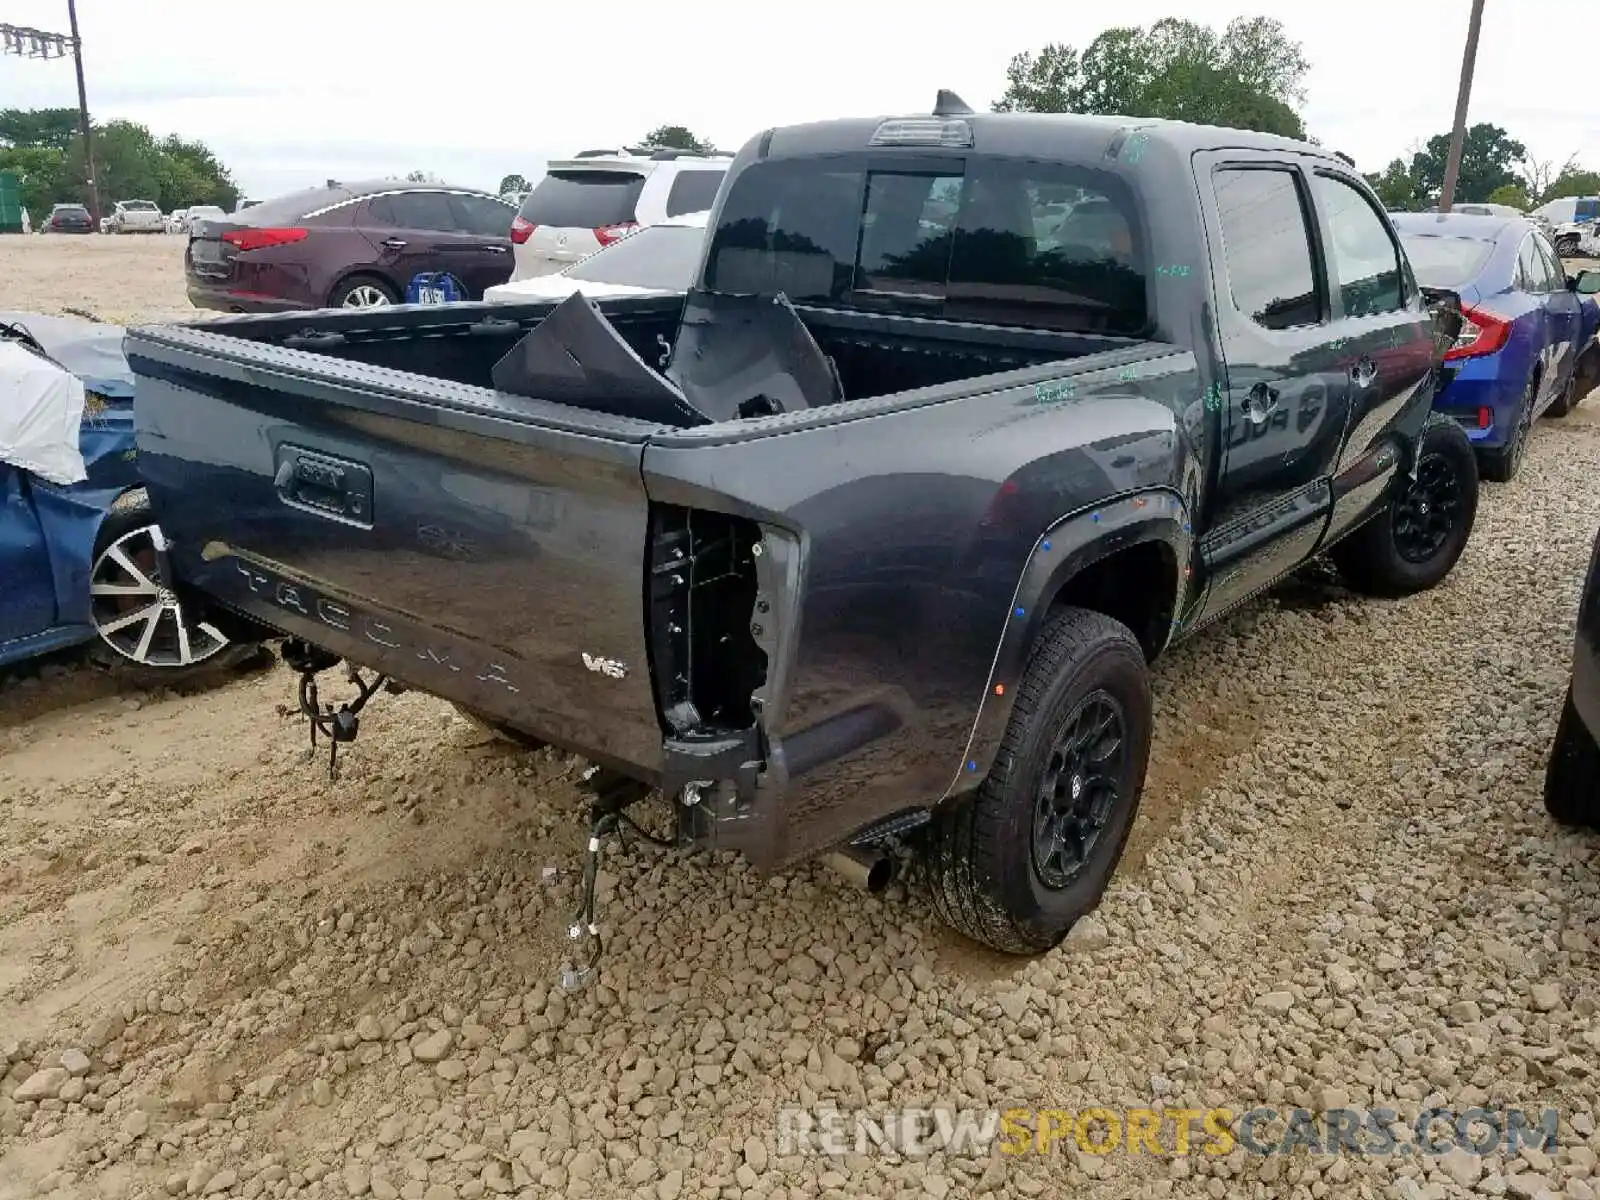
[(1069, 135)]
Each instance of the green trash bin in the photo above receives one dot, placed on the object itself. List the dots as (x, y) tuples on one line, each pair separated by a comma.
[(10, 202)]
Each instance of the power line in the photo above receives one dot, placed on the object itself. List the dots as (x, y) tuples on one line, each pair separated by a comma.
[(27, 42)]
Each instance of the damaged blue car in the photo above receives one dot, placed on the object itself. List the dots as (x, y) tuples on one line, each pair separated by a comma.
[(81, 558)]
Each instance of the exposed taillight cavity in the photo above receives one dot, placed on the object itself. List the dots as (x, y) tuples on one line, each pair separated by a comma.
[(521, 230), (704, 611), (259, 239), (607, 234), (1482, 332)]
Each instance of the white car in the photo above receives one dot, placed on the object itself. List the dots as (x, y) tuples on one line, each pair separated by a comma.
[(587, 203), (137, 216), (654, 261), (176, 222), (202, 212)]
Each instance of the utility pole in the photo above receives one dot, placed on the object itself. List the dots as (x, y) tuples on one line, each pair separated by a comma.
[(1458, 132), (26, 42), (83, 111)]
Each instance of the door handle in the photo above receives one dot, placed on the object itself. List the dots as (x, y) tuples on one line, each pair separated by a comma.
[(394, 243), (496, 249), (1259, 402), (1364, 372)]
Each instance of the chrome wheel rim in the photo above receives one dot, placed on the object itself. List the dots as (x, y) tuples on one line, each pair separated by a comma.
[(137, 614), (365, 295)]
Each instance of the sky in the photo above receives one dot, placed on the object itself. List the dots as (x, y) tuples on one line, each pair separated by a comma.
[(294, 92)]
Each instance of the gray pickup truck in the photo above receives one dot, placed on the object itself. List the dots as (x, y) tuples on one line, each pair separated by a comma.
[(866, 543)]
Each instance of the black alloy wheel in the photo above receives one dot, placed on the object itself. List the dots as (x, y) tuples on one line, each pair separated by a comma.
[(1427, 513), (1079, 790)]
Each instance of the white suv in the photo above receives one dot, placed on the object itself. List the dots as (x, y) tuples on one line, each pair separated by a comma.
[(586, 203)]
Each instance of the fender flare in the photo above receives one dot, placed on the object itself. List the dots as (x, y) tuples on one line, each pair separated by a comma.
[(1071, 544)]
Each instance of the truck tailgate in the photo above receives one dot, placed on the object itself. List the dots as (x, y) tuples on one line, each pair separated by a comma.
[(484, 548)]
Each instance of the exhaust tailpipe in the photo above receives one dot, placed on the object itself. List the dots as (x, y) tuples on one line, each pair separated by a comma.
[(867, 869)]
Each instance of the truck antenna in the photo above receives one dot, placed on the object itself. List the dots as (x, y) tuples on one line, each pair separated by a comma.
[(948, 104)]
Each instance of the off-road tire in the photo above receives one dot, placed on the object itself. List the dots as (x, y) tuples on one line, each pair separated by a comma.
[(978, 857), (1572, 778), (1501, 465), (1369, 558)]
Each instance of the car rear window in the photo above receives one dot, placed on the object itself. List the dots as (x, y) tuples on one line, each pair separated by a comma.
[(138, 205), (1445, 262), (1049, 245), (662, 256), (583, 199), (284, 210)]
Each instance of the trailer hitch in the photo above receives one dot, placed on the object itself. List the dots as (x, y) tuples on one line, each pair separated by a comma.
[(340, 724)]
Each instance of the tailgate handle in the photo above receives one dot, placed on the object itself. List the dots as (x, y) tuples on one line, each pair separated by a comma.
[(322, 484)]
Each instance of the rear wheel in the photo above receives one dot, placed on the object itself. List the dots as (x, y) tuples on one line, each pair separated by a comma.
[(1501, 465), (1572, 778), (1017, 862), (363, 291), (1416, 543)]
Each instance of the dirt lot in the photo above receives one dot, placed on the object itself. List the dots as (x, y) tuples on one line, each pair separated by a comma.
[(223, 975)]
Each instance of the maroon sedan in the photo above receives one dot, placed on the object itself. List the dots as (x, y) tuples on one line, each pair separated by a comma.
[(348, 245)]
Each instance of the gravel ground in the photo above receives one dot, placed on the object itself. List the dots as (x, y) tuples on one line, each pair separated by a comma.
[(223, 975)]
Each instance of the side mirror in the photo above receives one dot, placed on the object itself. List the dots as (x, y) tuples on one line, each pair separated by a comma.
[(1586, 283)]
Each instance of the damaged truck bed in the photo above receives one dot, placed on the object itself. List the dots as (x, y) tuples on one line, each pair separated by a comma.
[(870, 538)]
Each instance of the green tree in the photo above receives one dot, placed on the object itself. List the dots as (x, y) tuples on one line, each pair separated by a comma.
[(1513, 194), (676, 137), (1249, 76), (1489, 157), (39, 169), (1398, 189), (512, 185), (422, 177), (27, 127), (1573, 181)]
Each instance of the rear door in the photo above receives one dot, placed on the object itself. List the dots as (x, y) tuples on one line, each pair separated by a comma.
[(1286, 401), (414, 232), (1564, 314)]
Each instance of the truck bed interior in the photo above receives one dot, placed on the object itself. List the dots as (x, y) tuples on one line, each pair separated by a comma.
[(872, 354)]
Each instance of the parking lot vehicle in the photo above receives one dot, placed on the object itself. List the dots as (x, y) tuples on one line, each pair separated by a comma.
[(79, 550), (586, 203), (653, 261), (68, 218), (347, 245), (1572, 776), (869, 540), (137, 216), (1528, 327)]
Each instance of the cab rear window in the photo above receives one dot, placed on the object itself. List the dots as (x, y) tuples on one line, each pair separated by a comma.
[(966, 238)]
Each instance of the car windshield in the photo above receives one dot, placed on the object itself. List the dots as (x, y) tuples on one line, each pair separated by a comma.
[(662, 256), (1445, 262)]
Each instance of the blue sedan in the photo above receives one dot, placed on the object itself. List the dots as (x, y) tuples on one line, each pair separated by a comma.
[(1528, 346), (80, 564)]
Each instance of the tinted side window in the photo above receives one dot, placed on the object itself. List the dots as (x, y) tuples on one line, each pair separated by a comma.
[(481, 216), (906, 234), (424, 210), (789, 226), (1266, 246), (1552, 264), (693, 191), (1361, 254), (1531, 273)]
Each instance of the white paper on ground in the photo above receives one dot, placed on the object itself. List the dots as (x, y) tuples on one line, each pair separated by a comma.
[(41, 407)]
